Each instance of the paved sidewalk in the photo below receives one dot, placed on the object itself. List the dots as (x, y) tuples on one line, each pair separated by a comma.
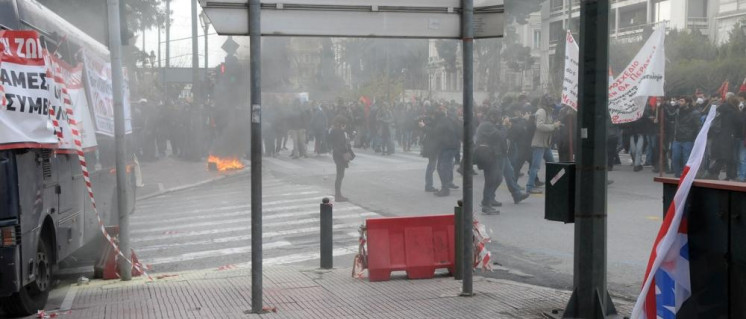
[(171, 174), (309, 293)]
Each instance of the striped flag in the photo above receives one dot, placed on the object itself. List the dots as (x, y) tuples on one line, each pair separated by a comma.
[(666, 285)]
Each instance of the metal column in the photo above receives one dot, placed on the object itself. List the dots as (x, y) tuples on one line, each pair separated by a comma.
[(256, 156), (117, 81), (195, 55), (467, 40), (590, 298)]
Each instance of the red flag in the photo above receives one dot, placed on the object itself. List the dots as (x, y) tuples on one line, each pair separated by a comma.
[(723, 89), (743, 86)]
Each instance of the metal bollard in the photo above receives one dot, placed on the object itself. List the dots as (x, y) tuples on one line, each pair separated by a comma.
[(459, 273), (327, 260)]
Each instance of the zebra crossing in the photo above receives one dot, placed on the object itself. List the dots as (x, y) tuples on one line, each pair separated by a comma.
[(365, 161), (210, 226)]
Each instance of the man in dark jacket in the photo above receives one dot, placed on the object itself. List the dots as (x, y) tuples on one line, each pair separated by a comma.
[(447, 134), (490, 153), (724, 126), (429, 145), (686, 126)]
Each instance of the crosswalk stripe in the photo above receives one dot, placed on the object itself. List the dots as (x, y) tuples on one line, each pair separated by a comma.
[(207, 197), (214, 253), (309, 202), (233, 229), (221, 240), (245, 213)]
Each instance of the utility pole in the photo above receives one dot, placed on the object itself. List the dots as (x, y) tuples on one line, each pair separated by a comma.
[(168, 52), (117, 81), (590, 298), (255, 59), (159, 46), (195, 55), (467, 40)]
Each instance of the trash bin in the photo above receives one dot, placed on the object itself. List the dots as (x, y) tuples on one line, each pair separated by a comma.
[(559, 204)]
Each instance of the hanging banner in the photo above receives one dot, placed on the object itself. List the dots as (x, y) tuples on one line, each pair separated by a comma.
[(59, 102), (642, 78), (24, 117), (570, 82), (76, 91), (100, 94)]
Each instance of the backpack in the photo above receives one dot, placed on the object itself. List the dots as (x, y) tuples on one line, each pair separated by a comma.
[(484, 156)]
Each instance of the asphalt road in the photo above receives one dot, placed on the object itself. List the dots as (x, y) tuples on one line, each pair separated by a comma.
[(526, 246), (208, 226)]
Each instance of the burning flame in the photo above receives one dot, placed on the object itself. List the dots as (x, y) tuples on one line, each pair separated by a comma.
[(224, 163)]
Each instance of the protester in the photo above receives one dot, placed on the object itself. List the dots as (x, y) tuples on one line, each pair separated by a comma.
[(686, 126), (341, 152), (542, 139)]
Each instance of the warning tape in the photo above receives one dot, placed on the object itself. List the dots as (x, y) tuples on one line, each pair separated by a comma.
[(86, 176), (482, 256)]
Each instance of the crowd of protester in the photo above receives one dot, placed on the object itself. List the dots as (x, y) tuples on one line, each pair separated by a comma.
[(508, 135)]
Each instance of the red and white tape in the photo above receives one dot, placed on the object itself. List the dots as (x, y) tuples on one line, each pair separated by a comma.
[(482, 256), (86, 176)]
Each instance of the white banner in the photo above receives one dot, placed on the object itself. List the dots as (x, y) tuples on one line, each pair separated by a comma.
[(100, 94), (24, 119), (570, 82), (74, 78), (643, 77)]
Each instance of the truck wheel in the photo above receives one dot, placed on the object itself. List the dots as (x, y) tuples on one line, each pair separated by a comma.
[(33, 297)]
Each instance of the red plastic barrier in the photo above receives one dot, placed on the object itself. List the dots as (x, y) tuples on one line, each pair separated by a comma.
[(418, 245)]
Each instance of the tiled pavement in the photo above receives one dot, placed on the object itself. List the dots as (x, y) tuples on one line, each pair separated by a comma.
[(311, 293)]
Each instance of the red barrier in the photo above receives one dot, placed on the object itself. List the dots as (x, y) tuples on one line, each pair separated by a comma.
[(417, 245)]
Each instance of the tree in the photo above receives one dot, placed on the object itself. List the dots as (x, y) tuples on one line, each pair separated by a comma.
[(91, 16), (519, 10)]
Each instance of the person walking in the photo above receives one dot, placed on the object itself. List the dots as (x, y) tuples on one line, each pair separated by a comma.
[(341, 153), (685, 128), (545, 128), (448, 139), (429, 146)]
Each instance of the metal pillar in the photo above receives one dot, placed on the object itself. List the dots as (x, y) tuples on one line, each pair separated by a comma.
[(256, 156), (168, 52), (195, 54), (168, 34), (467, 40), (590, 299), (117, 81), (327, 234), (159, 47)]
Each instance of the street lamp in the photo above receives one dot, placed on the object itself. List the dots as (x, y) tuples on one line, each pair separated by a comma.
[(204, 21)]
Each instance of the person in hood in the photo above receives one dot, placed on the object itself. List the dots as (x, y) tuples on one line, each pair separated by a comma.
[(545, 128)]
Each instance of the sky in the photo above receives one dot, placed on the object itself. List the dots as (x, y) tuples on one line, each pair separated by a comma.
[(181, 44)]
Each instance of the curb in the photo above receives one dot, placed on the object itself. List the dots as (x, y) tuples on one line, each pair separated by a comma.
[(242, 172)]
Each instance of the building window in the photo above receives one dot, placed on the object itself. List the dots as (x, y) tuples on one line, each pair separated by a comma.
[(537, 39), (556, 4), (556, 32)]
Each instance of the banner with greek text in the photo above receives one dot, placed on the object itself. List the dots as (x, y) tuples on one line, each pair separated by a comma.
[(570, 82), (24, 117), (101, 96), (642, 78)]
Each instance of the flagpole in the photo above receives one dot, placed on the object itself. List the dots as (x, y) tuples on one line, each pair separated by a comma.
[(662, 119)]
